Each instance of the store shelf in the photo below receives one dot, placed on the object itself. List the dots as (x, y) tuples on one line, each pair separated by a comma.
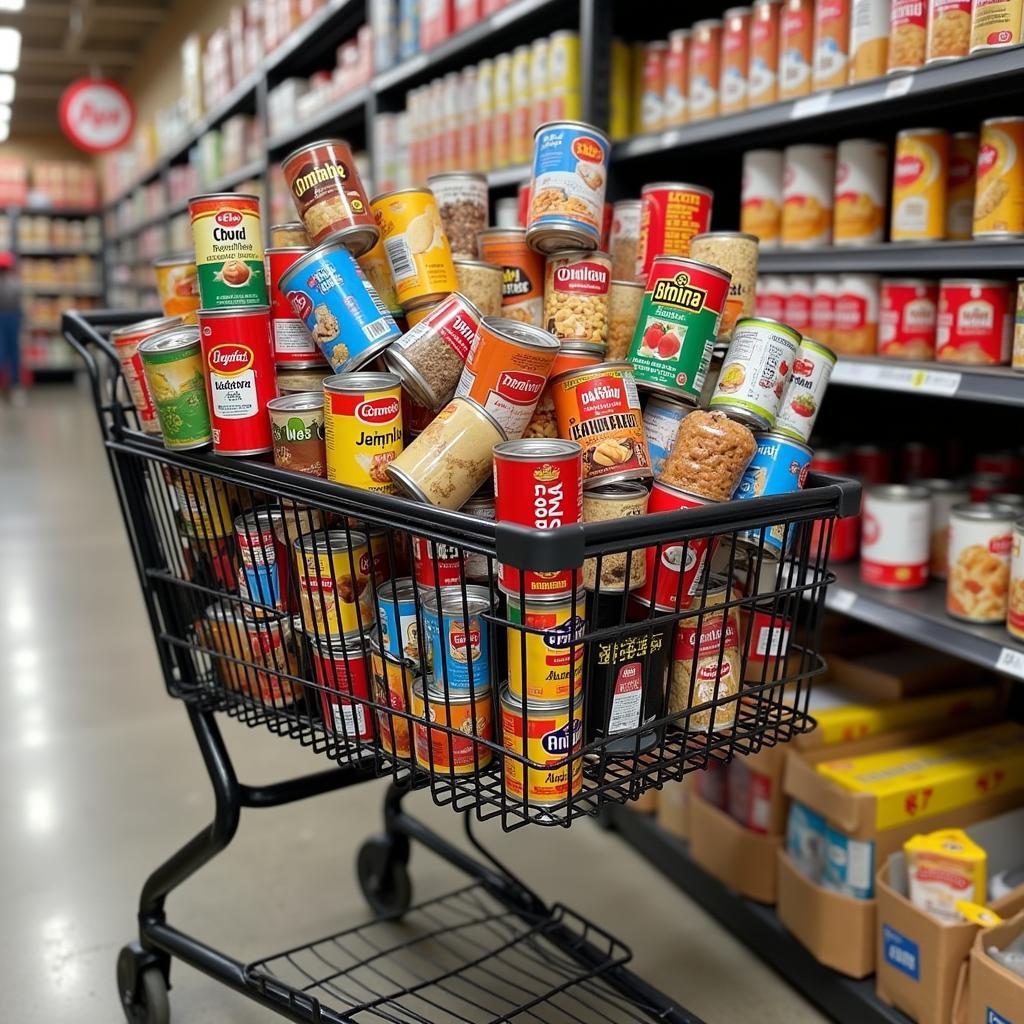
[(961, 258), (63, 289), (71, 212), (845, 1000), (920, 615), (1000, 73), (57, 250), (507, 176), (344, 111), (312, 30), (253, 169)]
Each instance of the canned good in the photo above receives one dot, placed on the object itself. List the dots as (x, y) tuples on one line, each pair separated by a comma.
[(908, 25), (172, 362), (436, 565), (545, 767), (376, 269), (661, 424), (572, 355), (831, 44), (399, 627), (1005, 461), (920, 174), (506, 370), (563, 75), (625, 238), (292, 234), (362, 429), (335, 588), (599, 407), (502, 110), (393, 683), (823, 307), (763, 82), (222, 629), (547, 662), (416, 246), (1015, 603), (652, 96), (297, 432), (735, 60), (845, 531), (670, 215), (761, 196), (980, 546), (478, 565), (995, 24), (906, 327), (522, 296), (293, 344), (625, 299), (856, 315), (576, 296), (1018, 329), (448, 727), (178, 285), (862, 169), (570, 172), (871, 463), (270, 643), (462, 203), (329, 197), (895, 536), (975, 322), (796, 55), (999, 192), (960, 186), (808, 191), (756, 372), (869, 39), (293, 382), (799, 302), (918, 459), (772, 291), (126, 342), (984, 485), (458, 634), (764, 625), (616, 571), (683, 304), (342, 669), (522, 104), (482, 284), (229, 250), (944, 495), (538, 114), (263, 558), (705, 68), (203, 504), (805, 389), (949, 30)]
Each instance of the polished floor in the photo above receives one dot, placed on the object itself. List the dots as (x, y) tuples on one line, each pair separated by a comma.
[(100, 779)]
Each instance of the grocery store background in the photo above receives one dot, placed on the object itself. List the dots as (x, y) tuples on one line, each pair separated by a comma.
[(101, 778)]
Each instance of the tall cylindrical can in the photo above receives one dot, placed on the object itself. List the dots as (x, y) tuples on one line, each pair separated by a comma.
[(735, 61), (802, 397), (796, 52), (808, 188), (975, 321), (869, 39), (906, 326), (652, 99), (799, 302), (960, 186), (522, 292), (126, 341), (625, 238), (671, 214), (949, 30), (895, 536), (763, 74), (831, 44), (546, 665), (980, 545), (735, 252), (855, 328), (862, 170), (920, 173), (677, 75), (293, 344), (761, 196), (908, 31), (172, 361), (823, 307), (705, 68), (999, 192), (944, 495), (995, 25)]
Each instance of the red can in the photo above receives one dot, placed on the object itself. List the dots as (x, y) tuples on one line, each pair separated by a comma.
[(906, 323), (872, 464), (919, 461), (293, 344), (799, 302), (770, 300), (670, 215), (606, 226), (538, 482), (662, 586), (846, 531), (1008, 463), (524, 203), (342, 667), (416, 417), (983, 486), (436, 565), (975, 322), (238, 357)]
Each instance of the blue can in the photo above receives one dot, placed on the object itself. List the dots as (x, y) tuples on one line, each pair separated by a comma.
[(331, 295), (778, 467), (399, 628), (570, 172), (459, 636)]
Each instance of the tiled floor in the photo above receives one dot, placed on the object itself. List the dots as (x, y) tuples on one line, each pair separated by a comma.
[(100, 779)]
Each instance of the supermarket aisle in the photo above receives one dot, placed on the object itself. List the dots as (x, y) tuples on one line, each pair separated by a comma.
[(101, 780)]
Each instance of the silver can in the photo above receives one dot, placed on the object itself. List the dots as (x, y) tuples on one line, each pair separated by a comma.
[(944, 495), (980, 544)]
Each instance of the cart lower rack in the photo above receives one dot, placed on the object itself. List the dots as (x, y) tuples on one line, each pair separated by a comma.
[(381, 634)]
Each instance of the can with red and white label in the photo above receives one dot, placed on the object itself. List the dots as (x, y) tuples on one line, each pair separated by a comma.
[(1015, 613), (823, 307), (980, 544), (944, 495), (293, 344), (770, 297), (342, 671), (855, 323), (895, 536), (845, 531), (437, 564), (975, 322), (1004, 461), (872, 464), (735, 60), (240, 379), (906, 326), (798, 303), (576, 287), (672, 213), (761, 196), (538, 482)]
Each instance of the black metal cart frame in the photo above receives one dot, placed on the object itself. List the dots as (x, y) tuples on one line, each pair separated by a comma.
[(504, 954)]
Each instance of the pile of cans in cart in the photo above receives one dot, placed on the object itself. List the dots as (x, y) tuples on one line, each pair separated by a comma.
[(541, 415)]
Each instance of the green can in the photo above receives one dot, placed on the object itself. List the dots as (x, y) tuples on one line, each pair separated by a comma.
[(173, 363), (675, 334)]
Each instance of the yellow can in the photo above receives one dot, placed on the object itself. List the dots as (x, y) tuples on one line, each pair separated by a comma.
[(563, 78), (416, 246), (522, 104), (362, 429), (203, 505), (542, 769), (335, 586), (540, 56), (919, 185), (995, 24), (999, 192), (484, 114), (178, 286), (393, 683), (545, 663), (960, 178)]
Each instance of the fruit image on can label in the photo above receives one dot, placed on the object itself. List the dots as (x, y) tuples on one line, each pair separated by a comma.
[(548, 665), (173, 364), (228, 238), (801, 401)]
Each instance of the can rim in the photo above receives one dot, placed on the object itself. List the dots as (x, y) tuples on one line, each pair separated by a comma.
[(819, 347), (708, 268), (312, 145), (746, 235), (517, 331), (319, 540), (775, 435), (232, 311), (331, 245), (567, 123), (617, 491), (910, 132), (983, 511), (679, 186), (667, 485), (333, 644), (570, 597), (225, 195), (548, 706), (576, 253), (526, 448), (475, 175), (345, 382), (773, 323), (501, 231), (277, 250), (705, 22), (941, 484), (403, 586), (129, 330), (619, 365), (171, 340), (290, 224), (960, 282), (478, 599), (479, 264), (431, 694), (297, 401), (897, 492), (401, 192), (626, 202)]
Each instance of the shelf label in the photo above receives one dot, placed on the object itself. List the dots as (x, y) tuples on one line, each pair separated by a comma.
[(810, 106), (1011, 661), (897, 378), (898, 86), (839, 599)]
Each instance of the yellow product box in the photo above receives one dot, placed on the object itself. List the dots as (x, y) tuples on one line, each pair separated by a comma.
[(929, 779), (945, 868)]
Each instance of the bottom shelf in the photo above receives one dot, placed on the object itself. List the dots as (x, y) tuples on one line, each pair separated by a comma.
[(844, 999)]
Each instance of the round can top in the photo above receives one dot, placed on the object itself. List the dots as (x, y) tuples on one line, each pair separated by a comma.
[(980, 511), (616, 492), (516, 330), (172, 340), (1008, 498), (452, 175), (777, 325), (898, 492), (539, 707), (907, 133), (589, 128), (745, 235), (683, 261), (370, 381), (1008, 119), (301, 401), (332, 245), (907, 282), (334, 540), (731, 12), (657, 44), (579, 599), (477, 599), (223, 195), (402, 192), (529, 448), (623, 204), (940, 485), (222, 612), (337, 645), (679, 186), (771, 435), (180, 260), (706, 23), (310, 146), (288, 225), (578, 254), (152, 326), (578, 371), (581, 347), (404, 590)]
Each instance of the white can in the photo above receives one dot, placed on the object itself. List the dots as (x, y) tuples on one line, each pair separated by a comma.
[(770, 296), (801, 400), (807, 192), (761, 196), (855, 320), (1015, 611), (661, 424), (506, 212), (894, 536), (869, 39), (862, 183), (823, 307), (980, 544), (797, 307), (944, 495)]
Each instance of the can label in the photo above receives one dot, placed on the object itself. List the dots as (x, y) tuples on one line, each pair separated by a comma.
[(919, 187), (979, 568), (999, 193), (176, 382), (262, 557), (808, 193), (779, 466), (548, 665), (460, 648), (576, 297), (995, 24), (436, 565), (203, 505), (975, 322), (735, 62), (831, 43), (677, 72), (343, 671), (446, 735), (544, 737), (661, 424), (1015, 615), (894, 543), (705, 70), (335, 591), (393, 682), (669, 218), (906, 328), (674, 337), (801, 400), (363, 436), (178, 287), (763, 84), (706, 661), (127, 347), (768, 642), (374, 265), (522, 285), (823, 308), (399, 628), (949, 29), (869, 39), (1018, 330), (855, 330), (908, 22), (293, 344), (960, 187), (796, 59), (860, 193), (229, 251), (761, 196), (270, 645), (652, 105), (298, 437)]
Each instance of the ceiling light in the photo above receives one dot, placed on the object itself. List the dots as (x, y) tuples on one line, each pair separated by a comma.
[(6, 88), (5, 113), (12, 5), (5, 130), (10, 48)]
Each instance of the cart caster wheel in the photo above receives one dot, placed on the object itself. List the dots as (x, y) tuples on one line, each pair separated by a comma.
[(384, 877), (143, 988)]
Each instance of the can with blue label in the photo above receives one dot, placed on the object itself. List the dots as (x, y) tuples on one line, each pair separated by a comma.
[(459, 636), (570, 172), (545, 659), (778, 467), (661, 424), (399, 628), (331, 295)]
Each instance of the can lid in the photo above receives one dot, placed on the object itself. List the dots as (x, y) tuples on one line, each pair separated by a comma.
[(477, 599), (516, 330), (537, 448), (368, 381), (777, 324), (278, 250), (478, 264), (542, 707), (940, 485), (298, 402), (290, 225), (449, 175), (520, 233), (396, 589), (427, 688), (171, 340), (1014, 501), (898, 492), (779, 438), (677, 186), (706, 23), (616, 492), (151, 326), (401, 192), (589, 128), (979, 511), (972, 282), (222, 195), (745, 235), (621, 204), (338, 643), (577, 254), (617, 367), (313, 145), (256, 517), (333, 540)]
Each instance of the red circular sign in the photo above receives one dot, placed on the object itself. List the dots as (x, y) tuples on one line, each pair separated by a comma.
[(96, 114)]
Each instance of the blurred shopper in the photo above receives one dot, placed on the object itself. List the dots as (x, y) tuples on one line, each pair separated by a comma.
[(10, 325)]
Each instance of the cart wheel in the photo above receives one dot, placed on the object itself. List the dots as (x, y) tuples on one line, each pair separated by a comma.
[(143, 994), (384, 877)]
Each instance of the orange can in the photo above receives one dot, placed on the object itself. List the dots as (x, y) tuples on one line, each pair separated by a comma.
[(393, 682), (522, 288), (908, 34), (735, 60), (949, 30), (763, 70), (999, 193), (676, 77), (919, 185), (796, 48), (869, 39), (652, 98), (573, 355), (831, 44), (705, 68), (446, 733), (963, 160), (178, 286)]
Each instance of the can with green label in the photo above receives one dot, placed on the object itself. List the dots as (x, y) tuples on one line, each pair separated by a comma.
[(297, 423), (675, 334), (173, 364), (228, 238)]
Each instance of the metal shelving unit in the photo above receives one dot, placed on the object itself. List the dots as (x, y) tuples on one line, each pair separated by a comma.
[(894, 258)]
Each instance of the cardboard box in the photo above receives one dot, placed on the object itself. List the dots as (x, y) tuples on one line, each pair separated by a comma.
[(919, 958), (674, 807), (904, 671), (647, 803), (995, 994)]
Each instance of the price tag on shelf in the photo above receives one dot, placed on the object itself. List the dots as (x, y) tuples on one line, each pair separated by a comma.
[(1011, 661), (898, 86), (839, 599), (810, 106), (896, 378)]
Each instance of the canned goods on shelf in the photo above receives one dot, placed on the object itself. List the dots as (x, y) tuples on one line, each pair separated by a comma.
[(761, 196), (975, 321), (671, 214), (999, 189), (944, 495), (920, 178), (1015, 613), (895, 536), (980, 546)]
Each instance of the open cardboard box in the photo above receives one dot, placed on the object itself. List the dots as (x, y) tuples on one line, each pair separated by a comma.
[(674, 807), (919, 957), (995, 995)]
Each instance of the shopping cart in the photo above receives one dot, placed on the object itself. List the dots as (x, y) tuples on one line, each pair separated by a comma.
[(276, 598)]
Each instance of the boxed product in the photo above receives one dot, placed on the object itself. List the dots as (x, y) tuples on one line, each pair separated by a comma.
[(996, 981), (920, 956)]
